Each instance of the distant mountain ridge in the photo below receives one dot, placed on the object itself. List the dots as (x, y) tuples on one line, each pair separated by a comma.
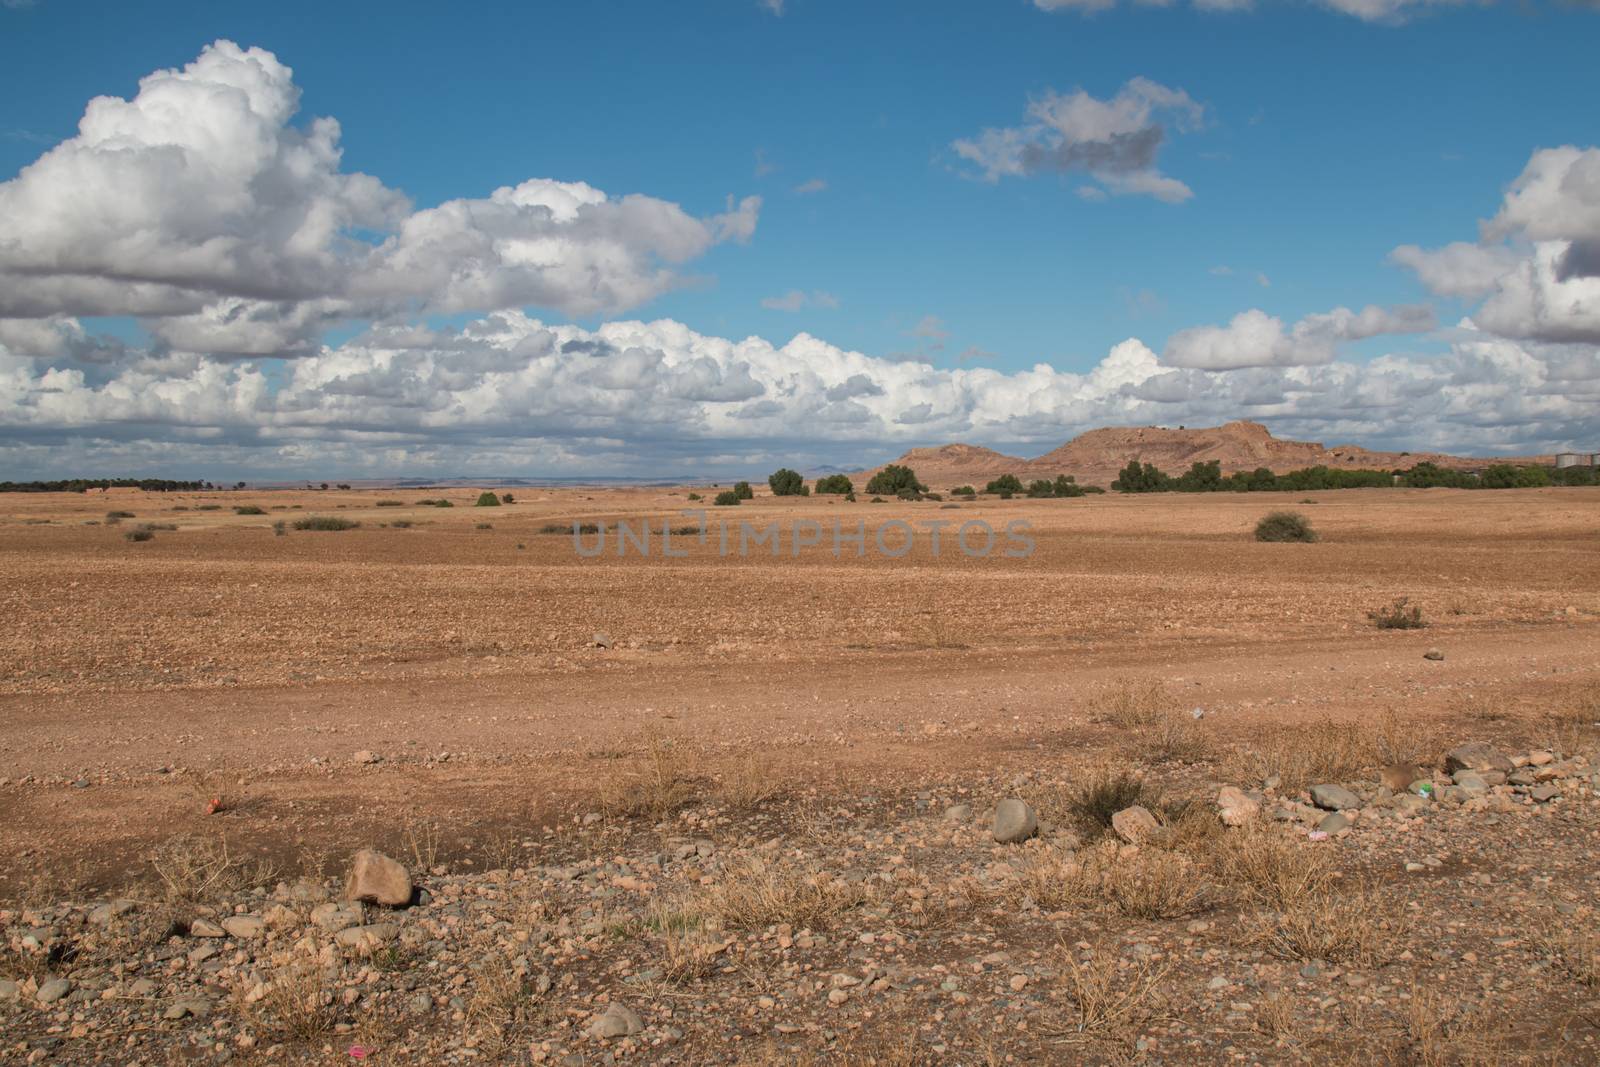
[(1096, 457)]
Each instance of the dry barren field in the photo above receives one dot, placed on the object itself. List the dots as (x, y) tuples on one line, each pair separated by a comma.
[(799, 809)]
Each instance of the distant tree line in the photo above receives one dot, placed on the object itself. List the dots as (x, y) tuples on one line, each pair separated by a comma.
[(83, 485), (1139, 477)]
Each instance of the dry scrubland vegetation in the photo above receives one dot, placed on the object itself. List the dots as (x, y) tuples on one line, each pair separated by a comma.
[(1153, 795)]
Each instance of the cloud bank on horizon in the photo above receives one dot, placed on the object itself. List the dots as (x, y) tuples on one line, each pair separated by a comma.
[(237, 241)]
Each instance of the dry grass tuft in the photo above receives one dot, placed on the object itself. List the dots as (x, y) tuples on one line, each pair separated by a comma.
[(1149, 883), (756, 894), (748, 784), (1323, 925), (1575, 946), (1270, 869), (196, 868), (1131, 703), (421, 838), (1331, 750), (297, 1005), (1108, 997), (662, 783), (1104, 792)]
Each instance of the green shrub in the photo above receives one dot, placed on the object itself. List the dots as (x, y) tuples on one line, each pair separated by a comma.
[(1401, 615), (440, 503), (1041, 488), (151, 527), (277, 528), (785, 482), (908, 493), (743, 491), (139, 535), (401, 524), (893, 478), (1004, 485), (208, 507), (963, 490), (696, 496), (118, 516), (728, 498), (324, 522), (1285, 526), (507, 498), (248, 509), (390, 504), (933, 496), (484, 526), (487, 500), (851, 496), (835, 484), (877, 500)]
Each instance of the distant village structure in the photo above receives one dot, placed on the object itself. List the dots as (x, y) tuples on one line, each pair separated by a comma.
[(1577, 459)]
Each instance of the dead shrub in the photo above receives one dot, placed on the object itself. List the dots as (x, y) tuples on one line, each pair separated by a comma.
[(1575, 947), (296, 1006), (1400, 615), (1149, 883), (1329, 750), (748, 784), (195, 868), (1108, 997), (502, 1001), (1337, 927), (1130, 703), (757, 894), (422, 840), (660, 784), (1269, 869)]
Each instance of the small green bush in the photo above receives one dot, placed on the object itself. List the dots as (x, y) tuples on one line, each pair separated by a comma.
[(487, 500), (324, 522), (696, 496), (893, 478), (1004, 486), (484, 526), (834, 484), (277, 528), (248, 509), (1285, 526), (728, 498), (402, 524), (440, 503), (507, 498), (118, 516), (1401, 615), (390, 504), (1097, 800), (963, 490), (139, 535), (743, 491), (209, 507), (785, 482)]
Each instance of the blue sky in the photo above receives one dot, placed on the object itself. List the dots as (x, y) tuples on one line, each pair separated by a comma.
[(1323, 142)]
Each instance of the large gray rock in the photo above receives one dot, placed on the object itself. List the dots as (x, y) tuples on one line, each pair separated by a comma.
[(1477, 756), (377, 879), (618, 1020), (1334, 797), (1014, 821)]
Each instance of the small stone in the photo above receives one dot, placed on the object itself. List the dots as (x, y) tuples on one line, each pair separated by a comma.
[(244, 927), (367, 756), (1014, 821), (367, 937), (114, 909), (1235, 807), (958, 813), (1471, 783), (1433, 654), (1334, 797), (618, 1020), (9, 990), (1335, 821), (206, 928), (332, 917), (1018, 983), (53, 990), (601, 639), (837, 996), (1540, 757), (1413, 868), (1135, 824), (1545, 793), (376, 878)]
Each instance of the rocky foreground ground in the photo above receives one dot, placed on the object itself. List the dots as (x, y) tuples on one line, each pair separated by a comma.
[(1432, 913)]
